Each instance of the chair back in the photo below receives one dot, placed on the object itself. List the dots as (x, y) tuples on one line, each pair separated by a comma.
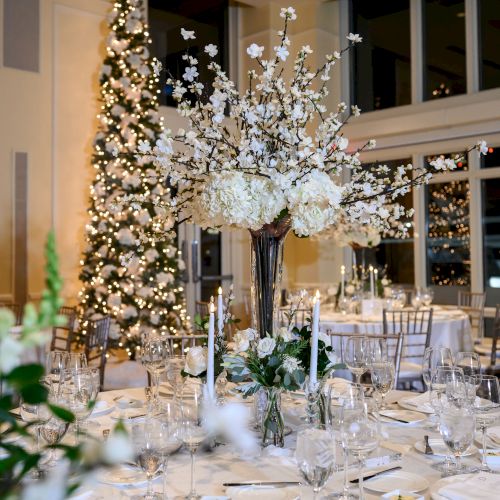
[(62, 336), (96, 344), (180, 344), (473, 303), (496, 334), (394, 346), (415, 326), (17, 310), (299, 320)]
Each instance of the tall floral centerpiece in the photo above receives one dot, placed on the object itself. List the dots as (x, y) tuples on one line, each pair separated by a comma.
[(271, 159)]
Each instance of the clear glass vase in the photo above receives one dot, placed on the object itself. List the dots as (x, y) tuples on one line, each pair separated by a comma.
[(267, 268), (273, 425)]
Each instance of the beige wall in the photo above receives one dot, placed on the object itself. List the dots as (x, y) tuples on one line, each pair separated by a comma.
[(51, 116)]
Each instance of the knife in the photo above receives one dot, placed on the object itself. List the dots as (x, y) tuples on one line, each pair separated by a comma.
[(355, 481), (262, 483), (396, 419)]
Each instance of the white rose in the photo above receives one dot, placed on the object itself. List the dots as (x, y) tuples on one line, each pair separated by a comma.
[(250, 333), (285, 334), (241, 342), (349, 289), (384, 281), (265, 347), (196, 361)]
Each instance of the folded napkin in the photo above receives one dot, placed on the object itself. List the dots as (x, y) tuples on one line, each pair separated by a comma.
[(471, 487), (422, 402), (260, 492)]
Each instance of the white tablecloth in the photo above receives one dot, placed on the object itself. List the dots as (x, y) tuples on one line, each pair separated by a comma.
[(224, 465), (450, 327)]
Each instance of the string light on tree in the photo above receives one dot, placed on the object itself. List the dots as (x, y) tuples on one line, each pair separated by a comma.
[(126, 272)]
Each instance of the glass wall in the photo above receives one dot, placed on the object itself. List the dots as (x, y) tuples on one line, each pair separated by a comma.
[(444, 48), (489, 44), (382, 66), (208, 18)]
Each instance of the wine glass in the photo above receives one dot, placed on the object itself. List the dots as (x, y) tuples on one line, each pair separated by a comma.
[(52, 431), (315, 456), (434, 357), (383, 376), (457, 427), (360, 437), (175, 377), (78, 393), (154, 357), (192, 434), (427, 296), (76, 361), (146, 438), (398, 296), (469, 362), (377, 350), (56, 362), (486, 408), (356, 356), (416, 299)]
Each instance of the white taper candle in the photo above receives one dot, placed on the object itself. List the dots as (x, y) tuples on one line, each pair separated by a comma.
[(211, 349), (220, 313), (342, 281), (313, 368)]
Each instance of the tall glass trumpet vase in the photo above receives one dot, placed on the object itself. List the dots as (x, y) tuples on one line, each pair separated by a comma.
[(267, 268), (273, 425)]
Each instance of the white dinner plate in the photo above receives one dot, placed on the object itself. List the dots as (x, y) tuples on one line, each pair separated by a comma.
[(123, 476), (401, 479), (440, 449), (412, 417), (434, 489), (409, 406)]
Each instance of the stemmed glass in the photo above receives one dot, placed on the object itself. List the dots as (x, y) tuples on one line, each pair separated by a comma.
[(417, 299), (486, 408), (426, 295), (76, 361), (174, 376), (78, 393), (52, 431), (154, 357), (192, 434), (56, 362), (383, 376), (469, 362), (360, 437), (457, 426), (315, 456), (434, 357), (356, 356), (146, 437)]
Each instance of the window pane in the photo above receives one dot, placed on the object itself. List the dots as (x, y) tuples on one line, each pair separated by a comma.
[(489, 29), (381, 69), (492, 159), (448, 235), (444, 48), (491, 248), (394, 253), (461, 165), (208, 18)]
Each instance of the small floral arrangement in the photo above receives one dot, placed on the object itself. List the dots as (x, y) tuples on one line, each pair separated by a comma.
[(281, 361)]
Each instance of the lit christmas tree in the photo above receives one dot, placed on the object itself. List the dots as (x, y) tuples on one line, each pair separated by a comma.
[(126, 272)]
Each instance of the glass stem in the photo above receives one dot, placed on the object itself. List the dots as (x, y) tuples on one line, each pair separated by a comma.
[(315, 493), (149, 491), (165, 463), (346, 477), (193, 491), (484, 464), (361, 489)]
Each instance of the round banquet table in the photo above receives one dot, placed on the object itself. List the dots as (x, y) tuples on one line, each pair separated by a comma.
[(223, 464), (450, 327)]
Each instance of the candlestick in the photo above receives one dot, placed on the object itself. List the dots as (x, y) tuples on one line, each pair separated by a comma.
[(372, 288), (375, 272), (220, 312), (342, 282), (313, 368), (211, 348)]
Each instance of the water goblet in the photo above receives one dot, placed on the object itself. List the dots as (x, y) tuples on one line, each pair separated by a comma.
[(383, 376), (52, 431), (192, 434), (175, 377), (469, 362), (356, 356), (486, 408), (416, 299), (360, 437), (56, 362), (427, 296), (315, 456), (154, 357), (434, 357), (146, 438), (457, 427), (76, 360)]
